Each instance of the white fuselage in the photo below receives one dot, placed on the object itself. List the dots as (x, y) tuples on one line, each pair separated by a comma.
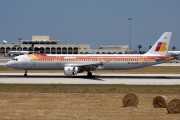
[(110, 62)]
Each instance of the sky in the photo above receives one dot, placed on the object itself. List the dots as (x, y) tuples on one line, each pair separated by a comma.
[(94, 22)]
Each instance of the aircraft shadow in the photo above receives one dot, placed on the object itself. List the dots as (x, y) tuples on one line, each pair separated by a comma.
[(94, 77), (52, 76)]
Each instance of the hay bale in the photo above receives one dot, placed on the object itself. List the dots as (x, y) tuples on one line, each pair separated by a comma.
[(173, 106), (160, 101), (130, 100)]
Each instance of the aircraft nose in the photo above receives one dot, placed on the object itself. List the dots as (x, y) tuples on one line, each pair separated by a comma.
[(9, 64)]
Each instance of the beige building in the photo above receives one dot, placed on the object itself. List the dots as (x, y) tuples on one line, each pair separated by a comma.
[(44, 44), (41, 38)]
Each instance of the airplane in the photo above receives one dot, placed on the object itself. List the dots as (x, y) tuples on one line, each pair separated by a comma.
[(16, 53), (73, 64), (174, 52), (176, 55)]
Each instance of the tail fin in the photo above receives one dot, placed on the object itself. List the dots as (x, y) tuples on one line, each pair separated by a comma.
[(32, 47), (161, 46)]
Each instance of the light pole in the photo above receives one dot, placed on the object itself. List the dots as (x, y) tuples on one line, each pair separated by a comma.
[(130, 32), (20, 44)]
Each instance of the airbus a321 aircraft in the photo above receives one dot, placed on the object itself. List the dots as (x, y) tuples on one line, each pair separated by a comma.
[(74, 64), (16, 53)]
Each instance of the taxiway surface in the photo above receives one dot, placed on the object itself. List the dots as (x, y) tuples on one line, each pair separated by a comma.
[(127, 79)]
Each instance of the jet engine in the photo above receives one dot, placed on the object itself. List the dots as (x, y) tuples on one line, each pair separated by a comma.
[(71, 70)]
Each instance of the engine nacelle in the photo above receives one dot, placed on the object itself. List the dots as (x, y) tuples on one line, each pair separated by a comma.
[(71, 70)]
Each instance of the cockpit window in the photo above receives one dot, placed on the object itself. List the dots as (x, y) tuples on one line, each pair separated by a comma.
[(15, 59)]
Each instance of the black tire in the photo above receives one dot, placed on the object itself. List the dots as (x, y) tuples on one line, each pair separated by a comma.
[(89, 74), (25, 75)]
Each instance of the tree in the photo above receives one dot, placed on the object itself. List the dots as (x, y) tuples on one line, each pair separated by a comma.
[(173, 48), (139, 47), (150, 47)]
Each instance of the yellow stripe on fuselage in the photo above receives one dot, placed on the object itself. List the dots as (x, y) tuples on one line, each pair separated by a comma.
[(32, 56)]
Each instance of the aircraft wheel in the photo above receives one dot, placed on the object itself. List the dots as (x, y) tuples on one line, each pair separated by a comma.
[(25, 75), (89, 74)]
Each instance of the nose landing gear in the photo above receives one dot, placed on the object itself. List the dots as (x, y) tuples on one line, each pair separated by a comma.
[(25, 73)]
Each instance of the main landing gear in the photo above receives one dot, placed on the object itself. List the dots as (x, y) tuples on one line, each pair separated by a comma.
[(89, 74), (25, 73)]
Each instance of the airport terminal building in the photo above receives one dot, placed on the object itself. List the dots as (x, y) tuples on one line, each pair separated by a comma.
[(44, 44)]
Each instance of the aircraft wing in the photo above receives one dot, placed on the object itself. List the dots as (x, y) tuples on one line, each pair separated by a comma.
[(91, 65)]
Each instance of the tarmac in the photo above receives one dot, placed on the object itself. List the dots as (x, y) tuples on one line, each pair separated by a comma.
[(126, 79)]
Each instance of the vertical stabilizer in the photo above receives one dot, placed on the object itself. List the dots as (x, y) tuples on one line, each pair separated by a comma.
[(32, 47), (161, 46)]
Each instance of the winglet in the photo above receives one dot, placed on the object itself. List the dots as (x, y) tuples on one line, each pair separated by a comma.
[(161, 46)]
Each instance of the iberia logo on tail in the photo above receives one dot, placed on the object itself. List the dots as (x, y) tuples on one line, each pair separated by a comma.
[(161, 46)]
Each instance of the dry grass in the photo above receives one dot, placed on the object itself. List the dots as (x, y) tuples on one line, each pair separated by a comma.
[(82, 102), (85, 102), (89, 88), (77, 106)]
